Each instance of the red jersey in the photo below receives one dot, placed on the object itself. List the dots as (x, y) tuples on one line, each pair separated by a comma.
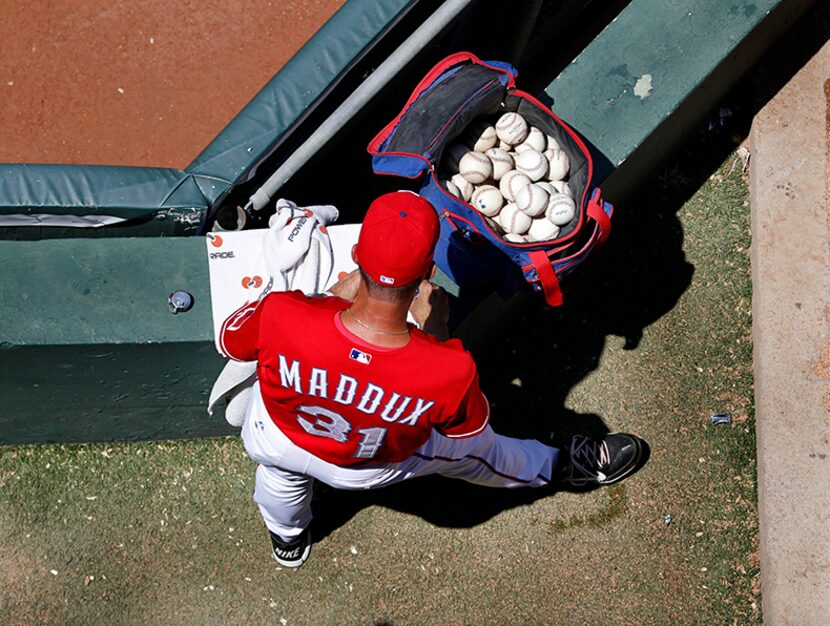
[(347, 401)]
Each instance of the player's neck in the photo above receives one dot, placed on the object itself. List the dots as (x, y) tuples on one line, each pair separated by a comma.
[(378, 322)]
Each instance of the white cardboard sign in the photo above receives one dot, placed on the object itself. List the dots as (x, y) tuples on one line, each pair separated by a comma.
[(237, 266)]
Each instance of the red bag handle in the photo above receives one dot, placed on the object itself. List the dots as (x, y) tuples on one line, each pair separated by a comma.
[(542, 263), (596, 213), (455, 216), (550, 284)]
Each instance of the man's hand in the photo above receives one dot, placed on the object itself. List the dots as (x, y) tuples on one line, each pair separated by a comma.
[(346, 287), (431, 309)]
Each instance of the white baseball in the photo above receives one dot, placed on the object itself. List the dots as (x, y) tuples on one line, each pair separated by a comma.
[(515, 238), (547, 187), (561, 209), (487, 200), (475, 167), (464, 186), (511, 128), (452, 188), (453, 154), (542, 229), (559, 165), (501, 160), (509, 207), (552, 144), (480, 136), (505, 146), (562, 187), (532, 163), (513, 220), (532, 200), (551, 195), (511, 182), (535, 140)]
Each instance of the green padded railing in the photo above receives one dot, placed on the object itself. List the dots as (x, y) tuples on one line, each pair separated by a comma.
[(152, 200), (161, 201), (282, 101)]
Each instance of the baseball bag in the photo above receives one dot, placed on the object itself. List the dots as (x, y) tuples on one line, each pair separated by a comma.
[(471, 250)]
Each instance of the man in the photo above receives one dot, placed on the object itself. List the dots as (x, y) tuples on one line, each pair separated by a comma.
[(351, 394)]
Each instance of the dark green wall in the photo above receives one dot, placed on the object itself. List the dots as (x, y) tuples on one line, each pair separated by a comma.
[(89, 349)]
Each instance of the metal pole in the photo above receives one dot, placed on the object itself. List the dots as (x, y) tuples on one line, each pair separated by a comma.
[(448, 11)]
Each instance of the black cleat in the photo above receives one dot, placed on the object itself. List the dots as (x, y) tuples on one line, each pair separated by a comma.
[(601, 462), (291, 553)]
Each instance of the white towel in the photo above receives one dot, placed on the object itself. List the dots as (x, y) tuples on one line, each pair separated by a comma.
[(298, 255)]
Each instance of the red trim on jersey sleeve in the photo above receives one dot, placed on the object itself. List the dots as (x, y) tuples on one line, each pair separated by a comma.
[(239, 334), (472, 416)]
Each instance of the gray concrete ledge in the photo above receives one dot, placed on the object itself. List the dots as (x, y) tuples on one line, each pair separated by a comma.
[(789, 144)]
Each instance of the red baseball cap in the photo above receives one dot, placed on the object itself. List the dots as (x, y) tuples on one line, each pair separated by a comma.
[(397, 239)]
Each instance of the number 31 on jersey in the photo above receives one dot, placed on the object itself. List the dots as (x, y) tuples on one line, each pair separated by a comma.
[(329, 424)]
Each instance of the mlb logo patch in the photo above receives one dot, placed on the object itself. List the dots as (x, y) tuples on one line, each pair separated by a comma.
[(360, 357), (387, 280)]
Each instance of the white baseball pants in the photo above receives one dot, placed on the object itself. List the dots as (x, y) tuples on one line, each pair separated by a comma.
[(285, 472)]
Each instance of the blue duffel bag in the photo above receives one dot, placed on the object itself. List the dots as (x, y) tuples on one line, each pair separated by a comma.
[(458, 90)]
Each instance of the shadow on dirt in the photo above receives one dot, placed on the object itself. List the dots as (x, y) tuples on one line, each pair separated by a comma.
[(527, 375)]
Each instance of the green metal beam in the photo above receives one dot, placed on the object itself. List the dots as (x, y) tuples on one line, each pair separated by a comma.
[(656, 70)]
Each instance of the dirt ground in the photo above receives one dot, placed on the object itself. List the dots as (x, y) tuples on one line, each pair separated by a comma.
[(146, 82)]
